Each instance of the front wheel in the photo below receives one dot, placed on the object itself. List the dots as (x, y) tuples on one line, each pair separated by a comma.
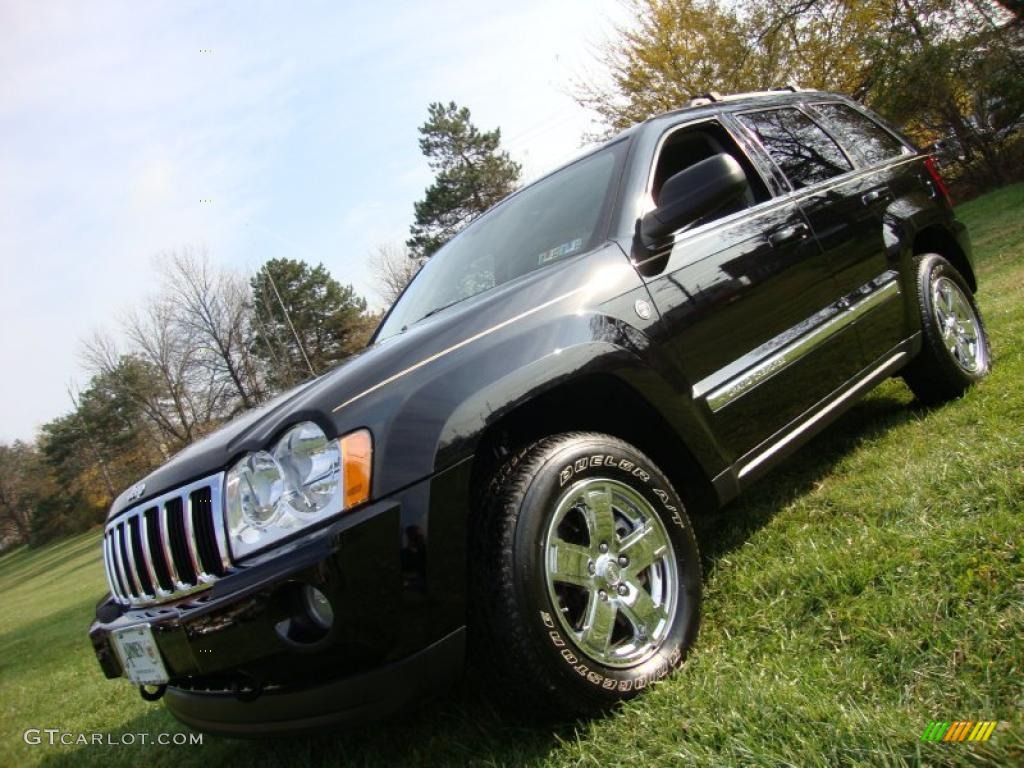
[(587, 575), (955, 350)]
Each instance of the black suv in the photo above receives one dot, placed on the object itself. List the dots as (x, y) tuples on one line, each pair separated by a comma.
[(636, 336)]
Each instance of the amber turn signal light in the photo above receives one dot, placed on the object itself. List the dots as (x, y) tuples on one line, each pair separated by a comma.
[(356, 466)]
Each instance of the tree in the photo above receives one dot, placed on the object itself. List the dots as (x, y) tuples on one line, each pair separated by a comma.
[(393, 268), (1016, 7), (164, 372), (674, 50), (879, 51), (971, 58), (304, 321), (24, 479), (216, 315), (472, 173)]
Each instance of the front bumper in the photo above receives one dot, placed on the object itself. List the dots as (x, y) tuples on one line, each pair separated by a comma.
[(240, 662), (348, 700)]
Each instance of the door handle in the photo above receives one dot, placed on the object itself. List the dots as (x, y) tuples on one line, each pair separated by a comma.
[(875, 195), (788, 234)]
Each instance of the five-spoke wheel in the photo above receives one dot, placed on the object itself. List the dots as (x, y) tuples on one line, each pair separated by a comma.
[(958, 324), (610, 569), (587, 579), (954, 346)]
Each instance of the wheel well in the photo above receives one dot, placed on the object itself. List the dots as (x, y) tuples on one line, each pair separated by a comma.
[(938, 240), (596, 403)]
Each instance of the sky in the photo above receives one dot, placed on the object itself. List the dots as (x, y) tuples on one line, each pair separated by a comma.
[(297, 121)]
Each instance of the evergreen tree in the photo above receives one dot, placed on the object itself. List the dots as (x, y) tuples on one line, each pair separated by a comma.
[(325, 321), (472, 173)]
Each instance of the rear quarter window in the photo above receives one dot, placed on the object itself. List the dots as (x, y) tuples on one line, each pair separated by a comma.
[(860, 135)]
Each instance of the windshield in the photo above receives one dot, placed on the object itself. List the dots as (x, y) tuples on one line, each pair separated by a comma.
[(555, 218)]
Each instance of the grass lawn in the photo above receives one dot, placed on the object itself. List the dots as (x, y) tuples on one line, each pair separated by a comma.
[(872, 584)]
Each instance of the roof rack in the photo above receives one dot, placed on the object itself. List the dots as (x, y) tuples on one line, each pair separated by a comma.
[(712, 97)]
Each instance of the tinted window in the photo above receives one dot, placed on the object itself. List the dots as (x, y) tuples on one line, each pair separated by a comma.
[(860, 134), (688, 146), (547, 221), (804, 152)]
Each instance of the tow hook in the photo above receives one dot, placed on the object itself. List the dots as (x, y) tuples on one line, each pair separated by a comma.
[(154, 695)]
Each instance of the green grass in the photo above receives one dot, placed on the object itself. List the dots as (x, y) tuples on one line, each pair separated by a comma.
[(870, 585)]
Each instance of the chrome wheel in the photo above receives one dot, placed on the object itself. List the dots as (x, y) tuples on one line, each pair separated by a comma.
[(958, 325), (611, 572)]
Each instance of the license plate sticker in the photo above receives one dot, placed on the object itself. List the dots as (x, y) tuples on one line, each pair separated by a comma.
[(140, 658)]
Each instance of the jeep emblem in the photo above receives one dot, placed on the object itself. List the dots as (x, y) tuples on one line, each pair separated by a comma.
[(135, 492)]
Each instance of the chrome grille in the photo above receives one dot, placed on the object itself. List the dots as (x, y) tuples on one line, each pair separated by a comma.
[(169, 546)]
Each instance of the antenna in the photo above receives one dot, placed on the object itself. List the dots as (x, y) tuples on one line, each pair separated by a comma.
[(288, 318)]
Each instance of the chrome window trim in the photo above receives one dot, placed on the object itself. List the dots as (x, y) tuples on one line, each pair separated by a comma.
[(673, 129), (769, 206), (727, 384), (116, 528), (801, 108), (907, 149)]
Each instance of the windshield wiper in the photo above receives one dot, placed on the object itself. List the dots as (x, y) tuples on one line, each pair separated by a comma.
[(435, 310)]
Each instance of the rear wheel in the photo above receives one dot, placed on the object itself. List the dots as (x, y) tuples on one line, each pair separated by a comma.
[(955, 349), (587, 575)]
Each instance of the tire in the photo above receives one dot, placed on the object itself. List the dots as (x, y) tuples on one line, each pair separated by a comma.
[(539, 571), (955, 351)]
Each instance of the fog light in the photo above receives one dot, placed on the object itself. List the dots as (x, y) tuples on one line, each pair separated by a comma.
[(318, 607)]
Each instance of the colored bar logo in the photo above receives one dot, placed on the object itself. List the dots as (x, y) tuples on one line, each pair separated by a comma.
[(959, 730)]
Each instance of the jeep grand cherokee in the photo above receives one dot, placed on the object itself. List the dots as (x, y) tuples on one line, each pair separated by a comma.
[(636, 336)]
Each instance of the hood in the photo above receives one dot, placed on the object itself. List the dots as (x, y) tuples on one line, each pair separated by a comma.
[(367, 389), (313, 400)]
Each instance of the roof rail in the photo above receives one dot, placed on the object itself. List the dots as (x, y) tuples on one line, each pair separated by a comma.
[(712, 97)]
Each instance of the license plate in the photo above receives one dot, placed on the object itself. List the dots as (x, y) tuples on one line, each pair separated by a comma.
[(140, 658)]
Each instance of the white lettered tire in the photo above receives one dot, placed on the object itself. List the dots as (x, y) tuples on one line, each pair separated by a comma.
[(586, 575)]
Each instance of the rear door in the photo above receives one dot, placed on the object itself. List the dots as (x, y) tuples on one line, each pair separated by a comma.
[(886, 173), (747, 301), (845, 207)]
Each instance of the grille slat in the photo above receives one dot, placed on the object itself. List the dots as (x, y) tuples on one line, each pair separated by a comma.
[(205, 535), (140, 568), (151, 535), (108, 567), (127, 561), (169, 547), (147, 555), (165, 542), (192, 542), (115, 559), (179, 541)]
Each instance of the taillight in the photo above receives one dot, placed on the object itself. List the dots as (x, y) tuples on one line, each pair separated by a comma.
[(937, 180)]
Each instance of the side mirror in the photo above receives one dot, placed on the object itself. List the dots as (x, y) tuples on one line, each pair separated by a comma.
[(692, 193)]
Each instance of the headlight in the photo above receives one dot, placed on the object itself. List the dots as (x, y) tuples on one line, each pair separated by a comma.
[(304, 478)]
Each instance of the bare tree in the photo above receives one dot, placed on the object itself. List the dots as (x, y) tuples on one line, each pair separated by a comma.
[(393, 267), (215, 314), (162, 372)]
